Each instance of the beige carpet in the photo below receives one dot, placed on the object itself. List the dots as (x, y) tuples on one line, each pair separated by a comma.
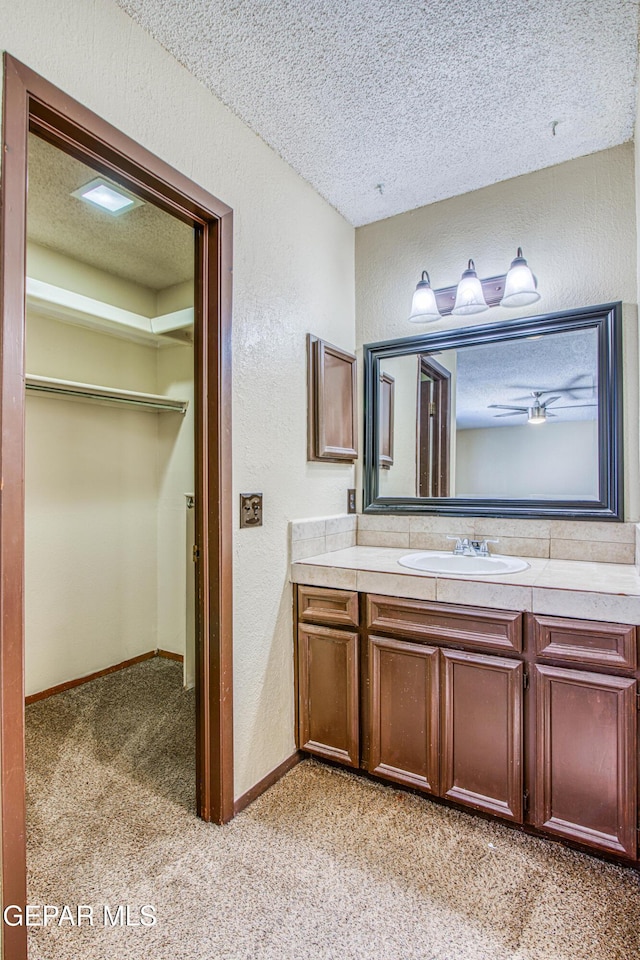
[(325, 865)]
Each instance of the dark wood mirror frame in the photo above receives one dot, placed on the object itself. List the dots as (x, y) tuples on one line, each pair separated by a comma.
[(606, 319)]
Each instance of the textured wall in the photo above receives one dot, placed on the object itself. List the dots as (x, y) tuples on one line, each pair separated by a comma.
[(293, 273), (576, 224)]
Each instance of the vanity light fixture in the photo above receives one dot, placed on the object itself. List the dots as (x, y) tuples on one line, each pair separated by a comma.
[(520, 285), (516, 288), (424, 306), (469, 295), (107, 196)]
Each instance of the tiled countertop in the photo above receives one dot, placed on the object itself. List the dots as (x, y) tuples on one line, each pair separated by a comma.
[(568, 588)]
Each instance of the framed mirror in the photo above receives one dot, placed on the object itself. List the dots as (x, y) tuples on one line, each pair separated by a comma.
[(517, 419)]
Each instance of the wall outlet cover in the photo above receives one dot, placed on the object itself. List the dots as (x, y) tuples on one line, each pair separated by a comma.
[(250, 510)]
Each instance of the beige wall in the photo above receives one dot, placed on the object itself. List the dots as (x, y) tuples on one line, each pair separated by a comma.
[(400, 480), (53, 267), (576, 224), (62, 271), (176, 478), (105, 508), (293, 273), (556, 460)]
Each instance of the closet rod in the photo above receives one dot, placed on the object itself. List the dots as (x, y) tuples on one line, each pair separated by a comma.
[(92, 393)]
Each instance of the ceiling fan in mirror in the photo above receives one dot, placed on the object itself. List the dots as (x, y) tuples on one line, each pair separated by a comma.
[(537, 411), (581, 386)]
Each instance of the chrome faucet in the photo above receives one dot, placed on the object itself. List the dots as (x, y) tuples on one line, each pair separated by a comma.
[(471, 548)]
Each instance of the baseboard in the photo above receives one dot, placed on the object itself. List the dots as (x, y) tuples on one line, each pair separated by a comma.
[(263, 785), (168, 655), (69, 684)]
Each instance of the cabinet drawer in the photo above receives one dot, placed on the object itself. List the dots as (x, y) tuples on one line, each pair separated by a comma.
[(585, 641), (330, 607), (474, 627)]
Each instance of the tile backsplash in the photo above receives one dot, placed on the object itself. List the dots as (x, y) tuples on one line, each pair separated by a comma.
[(322, 535), (555, 539)]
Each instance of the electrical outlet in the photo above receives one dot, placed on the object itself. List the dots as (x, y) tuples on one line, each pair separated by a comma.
[(351, 501), (250, 510)]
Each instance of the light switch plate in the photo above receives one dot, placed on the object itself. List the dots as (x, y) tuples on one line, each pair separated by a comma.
[(250, 510)]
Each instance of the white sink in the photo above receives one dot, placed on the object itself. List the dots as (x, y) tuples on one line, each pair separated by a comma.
[(433, 562)]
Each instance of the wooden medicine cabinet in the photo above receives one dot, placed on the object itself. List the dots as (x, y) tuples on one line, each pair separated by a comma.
[(332, 429)]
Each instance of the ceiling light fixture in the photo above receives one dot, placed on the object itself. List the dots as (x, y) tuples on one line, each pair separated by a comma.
[(107, 196), (516, 288), (536, 415)]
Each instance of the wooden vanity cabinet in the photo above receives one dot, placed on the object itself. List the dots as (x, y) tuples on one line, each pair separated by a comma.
[(328, 693), (404, 712), (482, 732), (585, 777), (585, 765), (447, 721), (328, 674), (466, 704)]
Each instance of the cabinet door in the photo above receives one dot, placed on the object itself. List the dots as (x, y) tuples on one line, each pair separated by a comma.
[(481, 732), (328, 693), (586, 757), (403, 708)]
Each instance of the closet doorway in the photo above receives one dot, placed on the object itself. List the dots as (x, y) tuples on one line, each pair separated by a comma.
[(33, 108)]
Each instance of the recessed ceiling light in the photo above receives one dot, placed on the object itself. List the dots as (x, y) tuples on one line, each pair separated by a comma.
[(107, 196)]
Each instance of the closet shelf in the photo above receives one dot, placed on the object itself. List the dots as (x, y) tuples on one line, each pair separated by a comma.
[(110, 396), (169, 329)]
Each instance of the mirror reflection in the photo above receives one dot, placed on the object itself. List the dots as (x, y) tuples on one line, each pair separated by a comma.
[(510, 420)]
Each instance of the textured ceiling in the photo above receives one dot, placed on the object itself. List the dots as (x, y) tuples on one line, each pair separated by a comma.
[(387, 105), (564, 364), (145, 245)]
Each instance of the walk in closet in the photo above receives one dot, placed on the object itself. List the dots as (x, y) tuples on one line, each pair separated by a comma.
[(109, 431)]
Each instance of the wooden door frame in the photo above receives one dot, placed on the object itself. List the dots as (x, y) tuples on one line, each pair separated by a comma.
[(438, 464), (31, 103)]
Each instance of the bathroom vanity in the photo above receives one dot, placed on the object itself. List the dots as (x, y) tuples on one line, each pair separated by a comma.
[(525, 716), (511, 690)]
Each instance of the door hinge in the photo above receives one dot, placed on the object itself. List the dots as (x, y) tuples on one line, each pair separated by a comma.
[(432, 408), (525, 680), (525, 801), (196, 553)]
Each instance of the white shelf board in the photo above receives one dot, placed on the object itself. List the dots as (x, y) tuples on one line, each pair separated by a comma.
[(49, 300), (111, 396)]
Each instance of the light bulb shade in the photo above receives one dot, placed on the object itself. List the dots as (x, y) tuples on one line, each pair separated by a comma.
[(520, 285), (424, 306), (469, 295), (536, 413)]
